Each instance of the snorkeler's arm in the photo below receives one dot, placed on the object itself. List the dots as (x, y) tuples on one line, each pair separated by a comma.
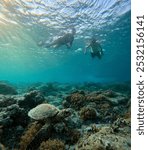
[(43, 44), (54, 43), (71, 42), (68, 45), (101, 50), (85, 49), (71, 39)]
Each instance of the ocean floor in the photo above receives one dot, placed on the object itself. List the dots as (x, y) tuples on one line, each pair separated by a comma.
[(54, 116)]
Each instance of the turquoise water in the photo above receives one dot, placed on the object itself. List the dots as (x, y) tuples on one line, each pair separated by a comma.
[(23, 23)]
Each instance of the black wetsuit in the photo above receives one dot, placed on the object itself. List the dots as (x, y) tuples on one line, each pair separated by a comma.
[(96, 49), (67, 40)]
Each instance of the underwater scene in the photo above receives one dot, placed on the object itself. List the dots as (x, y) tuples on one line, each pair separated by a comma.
[(65, 75)]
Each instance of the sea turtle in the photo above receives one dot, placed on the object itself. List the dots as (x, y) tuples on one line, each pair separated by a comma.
[(43, 111), (49, 115)]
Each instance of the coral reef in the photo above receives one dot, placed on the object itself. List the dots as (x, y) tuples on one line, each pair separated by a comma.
[(120, 87), (85, 116), (110, 93), (75, 100), (13, 117), (6, 101), (29, 135), (14, 109), (88, 113), (73, 121), (99, 141), (105, 103), (7, 89), (74, 136), (31, 99), (49, 88), (52, 145), (104, 138), (96, 97)]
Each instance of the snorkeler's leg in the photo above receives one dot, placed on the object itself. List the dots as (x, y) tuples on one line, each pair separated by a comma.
[(56, 46), (51, 44), (57, 43), (43, 44), (102, 53), (68, 45), (99, 55), (92, 55)]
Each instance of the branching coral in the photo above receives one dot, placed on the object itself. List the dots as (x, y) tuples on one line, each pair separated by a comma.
[(52, 145)]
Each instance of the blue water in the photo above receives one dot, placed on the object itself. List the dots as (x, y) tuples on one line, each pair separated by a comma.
[(23, 23)]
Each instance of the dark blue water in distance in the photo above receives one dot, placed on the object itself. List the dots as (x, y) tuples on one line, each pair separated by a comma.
[(24, 23)]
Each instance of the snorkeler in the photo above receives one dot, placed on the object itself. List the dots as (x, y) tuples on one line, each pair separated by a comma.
[(66, 39), (96, 49)]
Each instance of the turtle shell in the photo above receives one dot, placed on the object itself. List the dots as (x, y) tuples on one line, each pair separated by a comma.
[(43, 111)]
